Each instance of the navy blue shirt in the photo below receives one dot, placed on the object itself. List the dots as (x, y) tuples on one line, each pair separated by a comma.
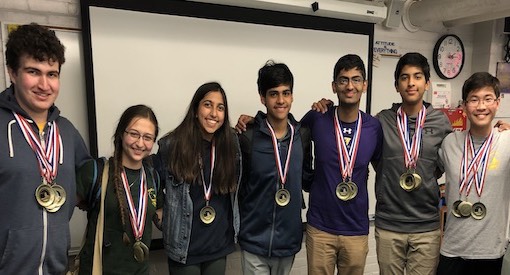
[(214, 240)]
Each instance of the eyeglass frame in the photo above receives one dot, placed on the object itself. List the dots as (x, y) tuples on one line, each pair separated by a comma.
[(355, 80), (475, 101), (135, 135)]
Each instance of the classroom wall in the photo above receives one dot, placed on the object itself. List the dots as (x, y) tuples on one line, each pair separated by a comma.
[(59, 13), (485, 51), (483, 43)]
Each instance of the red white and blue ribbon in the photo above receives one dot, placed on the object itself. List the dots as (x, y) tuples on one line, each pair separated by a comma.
[(474, 171), (282, 171), (137, 216), (347, 158), (48, 152), (410, 145), (207, 189)]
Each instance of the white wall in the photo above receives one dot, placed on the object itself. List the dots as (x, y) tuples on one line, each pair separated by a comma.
[(59, 13), (422, 42), (483, 43)]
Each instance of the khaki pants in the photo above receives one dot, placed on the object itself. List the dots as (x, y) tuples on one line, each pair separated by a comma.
[(326, 251), (417, 253)]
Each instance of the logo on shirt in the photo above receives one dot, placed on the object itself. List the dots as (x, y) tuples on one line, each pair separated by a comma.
[(152, 196)]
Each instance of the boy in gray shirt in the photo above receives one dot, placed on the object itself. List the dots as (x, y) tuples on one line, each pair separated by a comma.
[(477, 165)]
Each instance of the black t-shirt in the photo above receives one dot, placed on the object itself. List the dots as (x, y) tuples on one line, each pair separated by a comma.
[(214, 240)]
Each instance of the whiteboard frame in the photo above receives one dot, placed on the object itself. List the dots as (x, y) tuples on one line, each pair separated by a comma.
[(214, 12)]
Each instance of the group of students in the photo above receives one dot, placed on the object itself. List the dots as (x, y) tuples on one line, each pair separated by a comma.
[(208, 186)]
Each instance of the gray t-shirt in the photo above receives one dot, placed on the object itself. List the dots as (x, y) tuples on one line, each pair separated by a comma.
[(469, 238)]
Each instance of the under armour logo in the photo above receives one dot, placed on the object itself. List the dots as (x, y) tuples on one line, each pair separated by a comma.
[(348, 131), (428, 131)]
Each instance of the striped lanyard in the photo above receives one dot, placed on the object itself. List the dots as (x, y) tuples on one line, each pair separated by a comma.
[(282, 171), (48, 153), (347, 158), (137, 216), (410, 145)]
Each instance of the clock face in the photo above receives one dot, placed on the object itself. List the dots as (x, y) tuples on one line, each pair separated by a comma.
[(448, 56)]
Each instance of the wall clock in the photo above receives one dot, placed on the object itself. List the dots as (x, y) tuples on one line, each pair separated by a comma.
[(448, 56)]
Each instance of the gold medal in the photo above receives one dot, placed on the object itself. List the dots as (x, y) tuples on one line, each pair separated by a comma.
[(140, 251), (354, 189), (45, 195), (478, 211), (408, 181), (282, 197), (207, 214), (464, 208), (343, 191), (60, 195), (60, 198), (52, 208), (417, 180), (455, 210)]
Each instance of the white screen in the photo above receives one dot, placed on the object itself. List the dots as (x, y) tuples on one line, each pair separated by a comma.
[(160, 60)]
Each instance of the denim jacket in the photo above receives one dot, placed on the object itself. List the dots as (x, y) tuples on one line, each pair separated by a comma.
[(178, 206)]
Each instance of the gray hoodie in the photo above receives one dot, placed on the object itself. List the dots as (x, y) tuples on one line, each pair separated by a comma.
[(396, 209), (32, 240)]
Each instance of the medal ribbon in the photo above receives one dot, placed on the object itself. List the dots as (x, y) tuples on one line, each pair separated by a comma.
[(47, 153), (207, 189), (470, 172), (137, 217), (347, 158), (282, 174), (412, 145)]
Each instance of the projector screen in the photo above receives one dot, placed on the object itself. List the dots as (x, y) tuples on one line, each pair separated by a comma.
[(160, 60), (158, 54)]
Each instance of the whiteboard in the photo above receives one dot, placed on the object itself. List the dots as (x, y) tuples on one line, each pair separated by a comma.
[(144, 54), (160, 60)]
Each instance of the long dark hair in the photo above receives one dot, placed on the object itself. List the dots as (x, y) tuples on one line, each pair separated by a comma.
[(131, 113), (186, 146)]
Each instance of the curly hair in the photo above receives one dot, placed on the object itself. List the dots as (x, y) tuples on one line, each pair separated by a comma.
[(34, 41)]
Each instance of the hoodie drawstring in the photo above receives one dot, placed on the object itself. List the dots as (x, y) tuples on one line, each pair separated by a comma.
[(9, 137)]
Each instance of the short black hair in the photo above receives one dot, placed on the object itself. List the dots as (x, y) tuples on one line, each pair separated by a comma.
[(272, 75), (347, 62), (415, 60), (480, 80)]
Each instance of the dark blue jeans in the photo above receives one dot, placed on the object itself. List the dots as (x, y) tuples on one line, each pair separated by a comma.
[(214, 267)]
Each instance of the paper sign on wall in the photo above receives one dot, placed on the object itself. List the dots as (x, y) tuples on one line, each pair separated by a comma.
[(441, 95)]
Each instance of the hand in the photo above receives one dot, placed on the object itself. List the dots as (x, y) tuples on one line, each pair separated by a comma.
[(502, 126), (242, 122), (157, 219), (81, 203), (322, 105)]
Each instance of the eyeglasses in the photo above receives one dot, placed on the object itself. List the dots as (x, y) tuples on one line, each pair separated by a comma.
[(343, 81), (474, 101), (135, 135)]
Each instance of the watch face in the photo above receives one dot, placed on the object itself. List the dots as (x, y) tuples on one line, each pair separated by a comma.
[(449, 56)]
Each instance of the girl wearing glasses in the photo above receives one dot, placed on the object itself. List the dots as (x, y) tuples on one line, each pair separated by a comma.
[(119, 226), (198, 163)]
